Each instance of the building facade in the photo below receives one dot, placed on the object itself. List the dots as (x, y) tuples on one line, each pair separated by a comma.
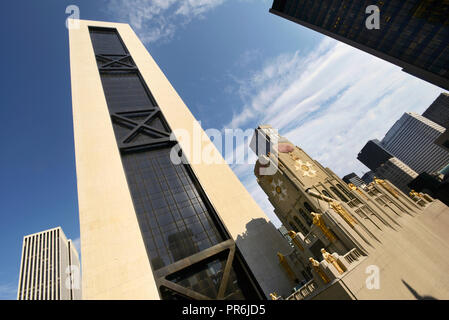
[(438, 111), (50, 268), (368, 177), (443, 140), (412, 34), (373, 154), (344, 233), (157, 222), (354, 179), (397, 172), (411, 140)]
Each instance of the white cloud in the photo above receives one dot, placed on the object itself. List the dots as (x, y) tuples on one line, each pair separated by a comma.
[(8, 291), (77, 243), (329, 102), (156, 20)]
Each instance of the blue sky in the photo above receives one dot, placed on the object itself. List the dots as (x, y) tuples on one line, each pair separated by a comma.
[(235, 66)]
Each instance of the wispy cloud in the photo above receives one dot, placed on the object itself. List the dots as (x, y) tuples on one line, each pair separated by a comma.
[(158, 20), (77, 243), (329, 102), (8, 291)]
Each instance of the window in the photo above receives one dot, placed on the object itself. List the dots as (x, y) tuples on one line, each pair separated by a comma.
[(339, 194), (304, 230)]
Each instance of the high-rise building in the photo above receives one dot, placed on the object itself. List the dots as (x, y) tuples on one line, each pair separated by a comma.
[(354, 179), (443, 140), (368, 177), (397, 172), (157, 219), (50, 268), (438, 111), (342, 232), (411, 140), (373, 154), (412, 34)]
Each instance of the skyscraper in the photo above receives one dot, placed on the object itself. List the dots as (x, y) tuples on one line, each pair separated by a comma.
[(438, 111), (354, 179), (384, 165), (411, 140), (373, 154), (157, 222), (397, 172), (412, 34), (50, 268)]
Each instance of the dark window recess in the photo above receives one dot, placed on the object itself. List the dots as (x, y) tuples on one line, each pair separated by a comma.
[(175, 217), (446, 143), (339, 194), (125, 92), (106, 42)]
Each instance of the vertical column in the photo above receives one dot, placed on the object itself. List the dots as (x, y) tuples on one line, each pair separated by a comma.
[(69, 249), (36, 269), (22, 263), (50, 288), (44, 268), (58, 266), (41, 240), (33, 253), (27, 269), (53, 265)]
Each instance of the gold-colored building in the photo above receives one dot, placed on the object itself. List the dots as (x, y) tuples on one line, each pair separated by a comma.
[(359, 243), (153, 228)]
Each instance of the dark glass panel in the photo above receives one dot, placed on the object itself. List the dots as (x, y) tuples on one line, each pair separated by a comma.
[(203, 277), (106, 42), (167, 206), (124, 91)]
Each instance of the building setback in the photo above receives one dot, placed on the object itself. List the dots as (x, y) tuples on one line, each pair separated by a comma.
[(157, 222), (49, 268), (354, 179), (373, 154), (397, 172), (411, 140), (413, 34), (438, 111)]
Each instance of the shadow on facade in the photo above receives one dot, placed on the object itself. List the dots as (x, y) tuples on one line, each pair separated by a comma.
[(416, 294), (260, 244)]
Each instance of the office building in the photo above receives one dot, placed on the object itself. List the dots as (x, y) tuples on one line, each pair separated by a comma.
[(411, 34), (443, 140), (50, 268), (343, 233), (368, 177), (397, 172), (411, 140), (373, 154), (438, 111), (156, 221), (354, 179)]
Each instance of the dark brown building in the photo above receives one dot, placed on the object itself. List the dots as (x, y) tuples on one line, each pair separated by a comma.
[(413, 34)]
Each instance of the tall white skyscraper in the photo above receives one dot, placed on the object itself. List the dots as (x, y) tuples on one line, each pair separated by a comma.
[(50, 268), (411, 140)]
